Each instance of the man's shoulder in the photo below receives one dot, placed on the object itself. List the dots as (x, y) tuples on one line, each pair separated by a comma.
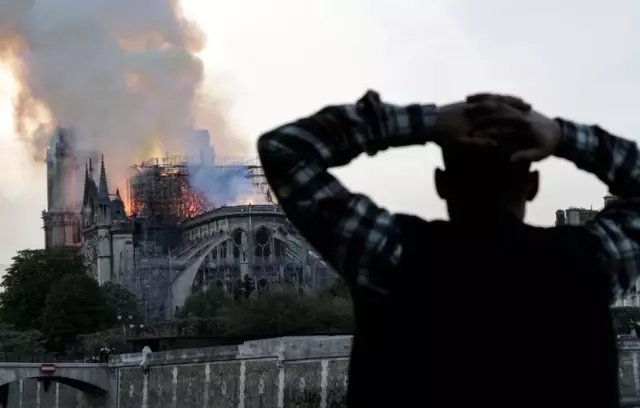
[(566, 240), (564, 235), (409, 222)]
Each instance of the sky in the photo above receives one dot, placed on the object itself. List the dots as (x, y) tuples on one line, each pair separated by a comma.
[(278, 60)]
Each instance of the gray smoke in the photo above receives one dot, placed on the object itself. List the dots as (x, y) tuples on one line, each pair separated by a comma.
[(221, 183), (121, 73)]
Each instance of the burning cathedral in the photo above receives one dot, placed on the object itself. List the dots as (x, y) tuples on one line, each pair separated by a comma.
[(175, 230)]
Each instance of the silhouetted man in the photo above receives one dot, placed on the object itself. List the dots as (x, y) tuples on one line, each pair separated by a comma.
[(413, 281)]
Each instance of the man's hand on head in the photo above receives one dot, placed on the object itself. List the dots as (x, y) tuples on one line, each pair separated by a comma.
[(498, 118), (455, 122)]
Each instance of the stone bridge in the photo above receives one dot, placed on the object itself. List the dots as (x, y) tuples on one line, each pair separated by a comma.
[(280, 372), (91, 378)]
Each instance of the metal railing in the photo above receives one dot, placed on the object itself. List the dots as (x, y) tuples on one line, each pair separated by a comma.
[(70, 357)]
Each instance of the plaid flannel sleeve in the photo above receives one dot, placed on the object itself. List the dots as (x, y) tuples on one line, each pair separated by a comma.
[(358, 238), (616, 162)]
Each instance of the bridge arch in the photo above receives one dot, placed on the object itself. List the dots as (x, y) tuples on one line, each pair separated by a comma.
[(93, 379)]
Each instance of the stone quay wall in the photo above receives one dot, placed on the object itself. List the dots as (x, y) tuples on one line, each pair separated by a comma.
[(281, 372), (629, 371), (274, 373)]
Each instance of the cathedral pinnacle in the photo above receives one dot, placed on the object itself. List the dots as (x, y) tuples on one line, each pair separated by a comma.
[(86, 175), (103, 188)]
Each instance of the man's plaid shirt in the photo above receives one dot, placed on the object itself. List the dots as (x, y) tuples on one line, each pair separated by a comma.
[(360, 239)]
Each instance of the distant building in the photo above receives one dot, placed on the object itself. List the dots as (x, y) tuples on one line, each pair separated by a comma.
[(574, 216), (579, 216), (631, 300)]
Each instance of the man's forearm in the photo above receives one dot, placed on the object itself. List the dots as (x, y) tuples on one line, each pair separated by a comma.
[(358, 238), (337, 134), (613, 159)]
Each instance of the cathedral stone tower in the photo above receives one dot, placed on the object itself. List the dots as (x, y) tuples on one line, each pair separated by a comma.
[(62, 219), (108, 239)]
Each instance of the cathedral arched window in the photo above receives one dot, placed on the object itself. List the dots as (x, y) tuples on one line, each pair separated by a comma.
[(262, 242), (223, 250), (240, 240)]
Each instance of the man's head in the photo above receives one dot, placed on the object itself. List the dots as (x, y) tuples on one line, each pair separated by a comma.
[(476, 178)]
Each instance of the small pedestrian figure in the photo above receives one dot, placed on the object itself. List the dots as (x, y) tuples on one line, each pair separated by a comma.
[(105, 352), (146, 359)]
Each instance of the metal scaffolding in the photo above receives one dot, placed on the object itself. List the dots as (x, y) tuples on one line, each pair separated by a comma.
[(161, 191), (259, 180)]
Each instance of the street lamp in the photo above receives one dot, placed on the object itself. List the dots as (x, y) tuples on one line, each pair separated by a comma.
[(123, 319)]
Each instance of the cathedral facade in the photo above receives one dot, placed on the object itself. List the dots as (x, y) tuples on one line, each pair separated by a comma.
[(82, 214), (169, 245)]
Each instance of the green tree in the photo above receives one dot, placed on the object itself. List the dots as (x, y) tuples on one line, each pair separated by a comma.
[(280, 311), (206, 304), (15, 341), (333, 314), (624, 317), (29, 279), (338, 289), (75, 305), (120, 300)]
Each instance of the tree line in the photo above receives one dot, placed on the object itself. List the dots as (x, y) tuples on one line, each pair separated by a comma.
[(48, 301), (279, 310)]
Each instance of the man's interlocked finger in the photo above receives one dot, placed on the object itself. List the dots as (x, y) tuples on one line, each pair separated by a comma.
[(481, 97), (484, 108), (499, 99), (477, 141)]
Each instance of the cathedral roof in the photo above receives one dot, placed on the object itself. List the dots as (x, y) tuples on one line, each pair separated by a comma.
[(118, 211)]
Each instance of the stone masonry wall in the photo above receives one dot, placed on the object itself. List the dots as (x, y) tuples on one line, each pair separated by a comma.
[(629, 372), (284, 372), (31, 394), (276, 373), (281, 372)]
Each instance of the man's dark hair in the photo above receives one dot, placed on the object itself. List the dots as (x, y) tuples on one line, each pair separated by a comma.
[(486, 170)]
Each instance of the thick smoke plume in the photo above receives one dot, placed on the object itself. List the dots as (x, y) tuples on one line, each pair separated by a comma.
[(223, 185), (122, 73)]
